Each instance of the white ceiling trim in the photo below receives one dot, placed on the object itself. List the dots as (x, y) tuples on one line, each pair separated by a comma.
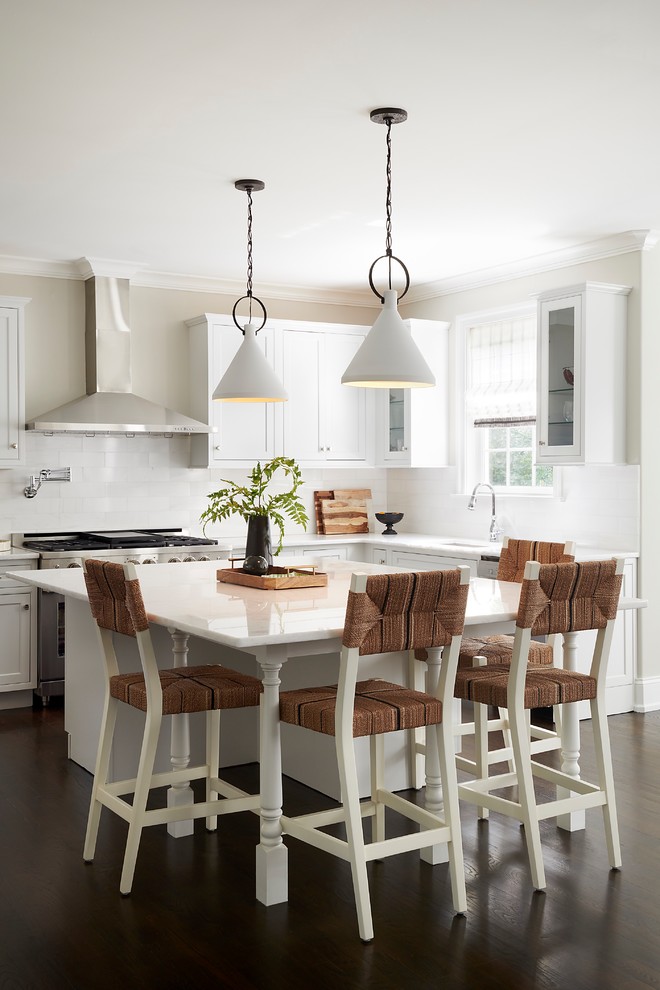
[(623, 243), (606, 247)]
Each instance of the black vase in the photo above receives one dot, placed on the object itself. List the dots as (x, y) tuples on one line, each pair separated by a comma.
[(258, 538)]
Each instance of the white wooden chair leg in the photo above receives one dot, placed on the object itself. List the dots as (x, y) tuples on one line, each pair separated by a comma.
[(377, 747), (606, 780), (100, 777), (354, 835), (445, 744), (415, 681), (506, 736), (142, 785), (526, 795), (481, 748), (212, 761)]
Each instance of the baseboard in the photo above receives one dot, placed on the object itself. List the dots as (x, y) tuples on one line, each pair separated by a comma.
[(15, 699), (647, 694)]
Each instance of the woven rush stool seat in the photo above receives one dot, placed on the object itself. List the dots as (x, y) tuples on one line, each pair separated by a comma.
[(498, 649), (389, 613), (555, 599), (543, 688), (380, 706), (209, 687), (116, 602)]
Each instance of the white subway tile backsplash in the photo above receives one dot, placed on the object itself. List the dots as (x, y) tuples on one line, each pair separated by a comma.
[(120, 482)]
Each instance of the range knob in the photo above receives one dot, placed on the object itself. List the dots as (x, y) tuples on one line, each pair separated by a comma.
[(74, 564)]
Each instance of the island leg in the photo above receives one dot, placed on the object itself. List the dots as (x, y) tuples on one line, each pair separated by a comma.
[(434, 801), (570, 741), (179, 794), (272, 854)]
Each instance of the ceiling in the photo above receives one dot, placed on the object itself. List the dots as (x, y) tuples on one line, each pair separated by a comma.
[(532, 127)]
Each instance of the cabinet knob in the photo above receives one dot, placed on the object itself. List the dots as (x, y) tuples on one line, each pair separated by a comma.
[(26, 608), (14, 446), (217, 446)]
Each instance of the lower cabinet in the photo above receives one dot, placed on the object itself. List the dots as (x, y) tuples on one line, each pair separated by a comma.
[(18, 636), (421, 561)]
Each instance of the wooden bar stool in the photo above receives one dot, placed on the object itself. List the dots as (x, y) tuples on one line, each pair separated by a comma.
[(496, 651), (555, 598), (117, 606), (389, 613)]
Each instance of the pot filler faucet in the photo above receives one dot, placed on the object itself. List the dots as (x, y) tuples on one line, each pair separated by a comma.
[(495, 532)]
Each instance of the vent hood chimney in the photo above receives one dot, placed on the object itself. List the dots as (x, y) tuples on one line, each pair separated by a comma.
[(110, 407)]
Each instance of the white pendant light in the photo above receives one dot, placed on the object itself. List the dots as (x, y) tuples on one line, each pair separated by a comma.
[(249, 377), (389, 357)]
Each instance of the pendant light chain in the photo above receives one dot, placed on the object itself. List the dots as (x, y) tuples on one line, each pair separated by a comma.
[(388, 116), (388, 202), (249, 250), (249, 186)]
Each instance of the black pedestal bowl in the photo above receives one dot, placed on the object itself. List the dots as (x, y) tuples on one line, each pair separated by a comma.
[(389, 518)]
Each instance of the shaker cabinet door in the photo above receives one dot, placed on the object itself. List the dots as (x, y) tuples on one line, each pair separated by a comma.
[(12, 407), (323, 420)]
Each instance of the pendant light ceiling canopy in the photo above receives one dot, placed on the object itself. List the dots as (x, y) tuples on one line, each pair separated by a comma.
[(249, 377), (389, 357)]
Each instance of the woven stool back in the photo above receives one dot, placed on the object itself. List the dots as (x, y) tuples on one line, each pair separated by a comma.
[(405, 611)]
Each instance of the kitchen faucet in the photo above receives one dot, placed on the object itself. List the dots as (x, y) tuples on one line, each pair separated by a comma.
[(495, 532)]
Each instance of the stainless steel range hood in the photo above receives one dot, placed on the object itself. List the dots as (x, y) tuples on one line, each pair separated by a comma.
[(110, 407)]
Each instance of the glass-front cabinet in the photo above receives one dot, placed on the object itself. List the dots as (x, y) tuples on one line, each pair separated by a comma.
[(398, 422), (412, 424), (559, 410), (581, 381)]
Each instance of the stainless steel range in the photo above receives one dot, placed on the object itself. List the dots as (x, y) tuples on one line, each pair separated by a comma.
[(145, 546)]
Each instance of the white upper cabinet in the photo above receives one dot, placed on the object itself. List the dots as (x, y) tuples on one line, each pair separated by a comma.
[(581, 405), (323, 419), (245, 431), (412, 424), (12, 381)]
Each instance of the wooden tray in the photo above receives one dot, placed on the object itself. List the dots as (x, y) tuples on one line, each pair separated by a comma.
[(277, 578)]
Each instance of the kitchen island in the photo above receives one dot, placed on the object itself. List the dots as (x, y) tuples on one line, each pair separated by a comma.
[(294, 634)]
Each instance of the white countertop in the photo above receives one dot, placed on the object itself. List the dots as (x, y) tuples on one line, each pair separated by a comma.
[(189, 598), (449, 546)]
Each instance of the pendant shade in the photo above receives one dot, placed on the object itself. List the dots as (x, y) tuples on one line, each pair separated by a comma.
[(249, 377), (389, 357)]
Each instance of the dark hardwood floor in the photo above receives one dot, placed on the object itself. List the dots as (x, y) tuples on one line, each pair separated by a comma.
[(192, 920)]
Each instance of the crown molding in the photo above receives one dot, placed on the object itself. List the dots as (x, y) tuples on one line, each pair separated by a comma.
[(269, 290), (82, 268), (606, 247)]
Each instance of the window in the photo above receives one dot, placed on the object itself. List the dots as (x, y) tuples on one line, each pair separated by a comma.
[(501, 404)]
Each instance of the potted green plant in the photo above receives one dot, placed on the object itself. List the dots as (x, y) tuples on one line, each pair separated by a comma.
[(252, 502)]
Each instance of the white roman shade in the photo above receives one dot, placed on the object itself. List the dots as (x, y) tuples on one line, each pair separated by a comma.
[(501, 372)]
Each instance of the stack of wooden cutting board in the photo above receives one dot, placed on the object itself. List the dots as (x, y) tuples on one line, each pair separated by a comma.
[(342, 511)]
